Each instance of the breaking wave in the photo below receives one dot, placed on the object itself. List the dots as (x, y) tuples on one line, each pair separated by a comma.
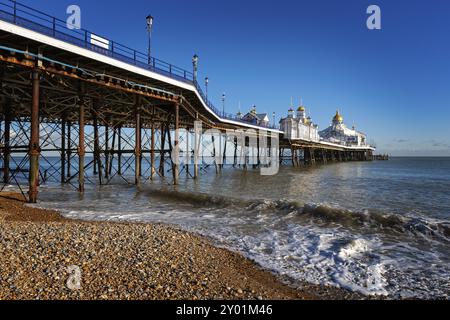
[(374, 220)]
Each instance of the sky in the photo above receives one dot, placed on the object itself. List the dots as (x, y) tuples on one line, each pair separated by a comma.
[(393, 83)]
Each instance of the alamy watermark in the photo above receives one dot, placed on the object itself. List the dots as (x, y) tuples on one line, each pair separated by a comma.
[(374, 20), (250, 148), (73, 21), (74, 280)]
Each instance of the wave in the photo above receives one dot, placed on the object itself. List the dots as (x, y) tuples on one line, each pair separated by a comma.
[(373, 219), (368, 218)]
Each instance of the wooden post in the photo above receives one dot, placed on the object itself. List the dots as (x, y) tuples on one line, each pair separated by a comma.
[(34, 149), (81, 138), (137, 149)]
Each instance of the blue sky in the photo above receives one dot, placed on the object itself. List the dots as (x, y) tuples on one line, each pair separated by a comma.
[(394, 83)]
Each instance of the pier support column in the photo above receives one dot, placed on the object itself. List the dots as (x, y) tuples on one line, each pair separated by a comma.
[(119, 150), (81, 138), (224, 156), (112, 151), (69, 148), (6, 147), (106, 151), (196, 147), (324, 156), (293, 156), (214, 153), (34, 148), (175, 156), (256, 165), (162, 153), (235, 142), (63, 149), (309, 156), (137, 148), (152, 152), (188, 153), (97, 159)]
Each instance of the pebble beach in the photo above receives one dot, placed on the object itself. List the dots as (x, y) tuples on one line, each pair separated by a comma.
[(40, 249)]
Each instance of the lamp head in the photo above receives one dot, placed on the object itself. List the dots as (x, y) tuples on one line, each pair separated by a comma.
[(195, 60), (149, 22)]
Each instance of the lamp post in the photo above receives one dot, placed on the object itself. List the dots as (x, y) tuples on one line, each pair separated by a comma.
[(223, 104), (195, 66), (206, 87), (149, 31)]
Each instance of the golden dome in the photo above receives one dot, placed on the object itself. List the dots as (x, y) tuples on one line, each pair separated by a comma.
[(338, 117), (301, 109)]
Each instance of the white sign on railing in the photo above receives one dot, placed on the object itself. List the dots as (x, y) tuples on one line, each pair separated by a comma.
[(99, 41)]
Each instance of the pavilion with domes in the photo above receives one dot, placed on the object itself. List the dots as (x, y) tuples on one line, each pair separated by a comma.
[(339, 133), (299, 126)]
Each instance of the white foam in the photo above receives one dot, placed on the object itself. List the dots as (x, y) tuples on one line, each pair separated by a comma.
[(318, 254), (354, 248)]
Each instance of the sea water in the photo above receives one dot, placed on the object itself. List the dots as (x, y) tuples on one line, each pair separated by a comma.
[(378, 228)]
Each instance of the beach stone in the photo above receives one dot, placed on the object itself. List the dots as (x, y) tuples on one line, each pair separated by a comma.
[(124, 261)]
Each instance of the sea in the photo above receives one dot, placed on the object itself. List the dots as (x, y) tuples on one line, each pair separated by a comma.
[(380, 228)]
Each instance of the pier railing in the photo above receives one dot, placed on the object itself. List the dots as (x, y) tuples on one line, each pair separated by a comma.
[(225, 115), (29, 18), (32, 19)]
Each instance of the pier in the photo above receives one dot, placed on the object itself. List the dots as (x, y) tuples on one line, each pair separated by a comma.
[(110, 112)]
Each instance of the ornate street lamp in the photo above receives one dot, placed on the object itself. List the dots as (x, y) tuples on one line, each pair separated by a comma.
[(149, 31), (223, 104), (195, 65)]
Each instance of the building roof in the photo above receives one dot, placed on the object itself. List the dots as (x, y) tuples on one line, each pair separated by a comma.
[(262, 116), (337, 117)]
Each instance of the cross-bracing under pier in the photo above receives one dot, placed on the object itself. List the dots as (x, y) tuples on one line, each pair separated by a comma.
[(100, 129)]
